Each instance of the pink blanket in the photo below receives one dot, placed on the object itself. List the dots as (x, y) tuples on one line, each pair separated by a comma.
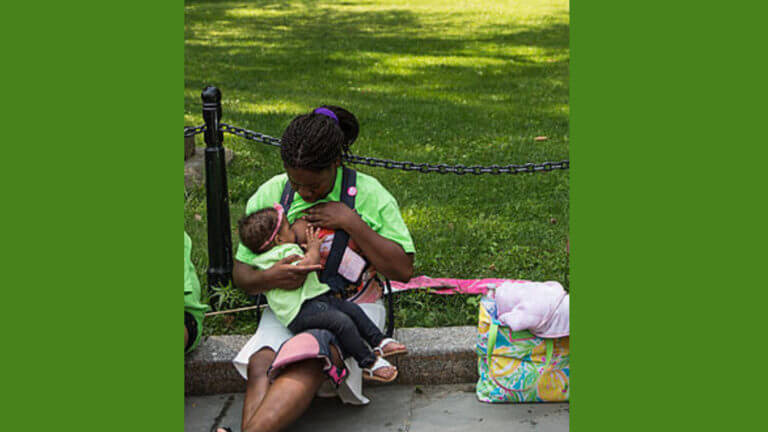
[(450, 285)]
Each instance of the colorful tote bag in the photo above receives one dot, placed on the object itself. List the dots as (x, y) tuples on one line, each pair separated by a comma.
[(518, 366)]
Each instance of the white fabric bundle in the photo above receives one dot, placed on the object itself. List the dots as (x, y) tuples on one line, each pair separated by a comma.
[(539, 307)]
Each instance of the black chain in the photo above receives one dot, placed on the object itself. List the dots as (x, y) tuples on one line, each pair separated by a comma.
[(193, 130), (250, 135), (457, 169), (399, 165)]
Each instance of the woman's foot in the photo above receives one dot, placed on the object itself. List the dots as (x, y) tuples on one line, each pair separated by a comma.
[(390, 347), (381, 371)]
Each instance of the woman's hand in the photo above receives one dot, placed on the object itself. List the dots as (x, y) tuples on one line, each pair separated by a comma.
[(387, 257), (287, 276), (281, 275), (331, 215)]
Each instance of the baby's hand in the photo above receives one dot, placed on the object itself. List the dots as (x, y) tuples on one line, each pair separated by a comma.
[(313, 242)]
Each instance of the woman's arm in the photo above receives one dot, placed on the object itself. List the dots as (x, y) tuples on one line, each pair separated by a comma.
[(388, 257), (281, 275)]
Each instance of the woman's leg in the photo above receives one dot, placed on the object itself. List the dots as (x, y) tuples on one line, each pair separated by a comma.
[(257, 383), (288, 397)]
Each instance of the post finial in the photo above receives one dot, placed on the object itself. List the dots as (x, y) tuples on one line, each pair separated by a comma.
[(211, 94)]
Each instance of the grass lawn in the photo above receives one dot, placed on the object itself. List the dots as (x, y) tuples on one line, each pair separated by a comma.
[(470, 82)]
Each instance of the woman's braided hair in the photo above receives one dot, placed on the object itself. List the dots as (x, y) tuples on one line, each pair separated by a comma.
[(314, 141)]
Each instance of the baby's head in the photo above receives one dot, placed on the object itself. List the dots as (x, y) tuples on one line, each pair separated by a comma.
[(264, 229)]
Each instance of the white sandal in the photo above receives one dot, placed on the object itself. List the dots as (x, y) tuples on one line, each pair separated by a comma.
[(380, 363), (379, 350)]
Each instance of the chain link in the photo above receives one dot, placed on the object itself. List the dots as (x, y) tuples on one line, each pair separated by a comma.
[(193, 130), (423, 168), (250, 135)]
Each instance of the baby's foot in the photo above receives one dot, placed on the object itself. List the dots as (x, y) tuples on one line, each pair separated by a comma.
[(387, 373), (390, 347), (381, 371)]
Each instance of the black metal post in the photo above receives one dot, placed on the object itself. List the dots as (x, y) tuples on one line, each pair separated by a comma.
[(219, 231)]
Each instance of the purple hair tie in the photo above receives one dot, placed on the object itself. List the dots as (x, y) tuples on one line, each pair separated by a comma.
[(328, 113)]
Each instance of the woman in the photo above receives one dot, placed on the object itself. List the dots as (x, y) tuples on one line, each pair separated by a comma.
[(312, 147)]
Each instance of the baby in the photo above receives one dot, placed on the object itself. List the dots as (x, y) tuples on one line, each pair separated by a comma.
[(313, 306)]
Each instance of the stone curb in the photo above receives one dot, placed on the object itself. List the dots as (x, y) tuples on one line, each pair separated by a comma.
[(436, 356)]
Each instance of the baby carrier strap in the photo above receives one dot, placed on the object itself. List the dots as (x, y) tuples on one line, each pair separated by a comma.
[(287, 198), (330, 274)]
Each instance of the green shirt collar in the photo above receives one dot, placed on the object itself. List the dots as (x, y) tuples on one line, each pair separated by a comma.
[(299, 205)]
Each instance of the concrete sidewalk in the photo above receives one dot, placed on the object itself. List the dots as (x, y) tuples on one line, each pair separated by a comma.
[(393, 408)]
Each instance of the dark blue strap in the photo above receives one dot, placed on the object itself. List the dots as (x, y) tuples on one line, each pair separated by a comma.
[(330, 274), (287, 198)]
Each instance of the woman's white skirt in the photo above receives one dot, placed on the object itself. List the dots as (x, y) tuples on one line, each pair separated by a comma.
[(271, 333)]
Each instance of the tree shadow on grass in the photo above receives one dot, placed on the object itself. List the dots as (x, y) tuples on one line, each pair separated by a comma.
[(376, 61)]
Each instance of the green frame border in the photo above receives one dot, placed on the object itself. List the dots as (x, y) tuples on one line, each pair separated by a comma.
[(92, 153), (666, 215)]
